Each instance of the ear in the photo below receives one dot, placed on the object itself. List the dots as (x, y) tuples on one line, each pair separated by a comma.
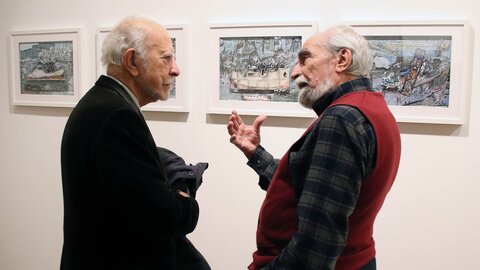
[(344, 60), (129, 62)]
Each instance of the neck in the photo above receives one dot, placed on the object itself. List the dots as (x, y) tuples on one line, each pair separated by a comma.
[(343, 77), (123, 76)]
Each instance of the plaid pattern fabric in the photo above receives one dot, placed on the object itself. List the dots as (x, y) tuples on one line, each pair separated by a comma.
[(327, 170)]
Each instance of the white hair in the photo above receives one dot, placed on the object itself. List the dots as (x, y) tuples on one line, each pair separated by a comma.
[(343, 36), (127, 34)]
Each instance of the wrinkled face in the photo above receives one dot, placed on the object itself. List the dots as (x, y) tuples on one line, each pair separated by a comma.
[(308, 95), (314, 71), (158, 72)]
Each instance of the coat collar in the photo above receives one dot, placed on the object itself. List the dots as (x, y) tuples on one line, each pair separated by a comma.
[(107, 82)]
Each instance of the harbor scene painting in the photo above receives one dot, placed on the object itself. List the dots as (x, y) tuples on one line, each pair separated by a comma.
[(258, 68), (46, 68), (412, 70)]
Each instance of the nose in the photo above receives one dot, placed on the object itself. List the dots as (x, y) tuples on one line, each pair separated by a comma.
[(174, 70), (296, 72)]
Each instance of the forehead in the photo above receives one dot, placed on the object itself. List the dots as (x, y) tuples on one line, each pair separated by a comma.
[(159, 39), (314, 43)]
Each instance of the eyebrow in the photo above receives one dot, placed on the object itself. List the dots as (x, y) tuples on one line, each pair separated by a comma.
[(303, 52), (167, 53)]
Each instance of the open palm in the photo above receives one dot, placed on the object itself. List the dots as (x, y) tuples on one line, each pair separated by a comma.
[(246, 138)]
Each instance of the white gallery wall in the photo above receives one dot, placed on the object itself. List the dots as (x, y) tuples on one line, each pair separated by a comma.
[(430, 221)]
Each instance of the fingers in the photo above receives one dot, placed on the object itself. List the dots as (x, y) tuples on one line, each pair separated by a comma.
[(233, 138), (235, 123), (231, 128), (235, 128), (237, 117), (232, 125), (258, 122)]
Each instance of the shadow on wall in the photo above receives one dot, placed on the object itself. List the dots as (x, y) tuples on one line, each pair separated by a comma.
[(273, 121), (298, 122), (434, 129)]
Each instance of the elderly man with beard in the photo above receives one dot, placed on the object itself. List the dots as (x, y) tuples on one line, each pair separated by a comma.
[(324, 194)]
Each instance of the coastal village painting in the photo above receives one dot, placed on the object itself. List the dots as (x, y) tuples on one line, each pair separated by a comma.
[(46, 68), (258, 68), (412, 70)]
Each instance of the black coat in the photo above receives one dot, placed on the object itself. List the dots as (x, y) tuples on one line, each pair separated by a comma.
[(119, 210)]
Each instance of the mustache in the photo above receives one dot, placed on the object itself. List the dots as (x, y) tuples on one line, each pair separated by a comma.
[(301, 82)]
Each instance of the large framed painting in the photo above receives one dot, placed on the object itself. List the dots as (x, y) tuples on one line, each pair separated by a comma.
[(421, 68), (44, 68), (178, 96), (251, 67)]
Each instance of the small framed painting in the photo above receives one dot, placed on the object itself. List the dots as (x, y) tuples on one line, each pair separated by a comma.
[(421, 68), (44, 68), (252, 66)]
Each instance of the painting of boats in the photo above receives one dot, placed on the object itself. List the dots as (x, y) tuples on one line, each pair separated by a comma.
[(258, 68), (412, 70), (46, 68), (40, 75), (262, 82)]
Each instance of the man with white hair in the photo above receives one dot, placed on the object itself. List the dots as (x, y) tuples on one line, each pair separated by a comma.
[(120, 211), (324, 194)]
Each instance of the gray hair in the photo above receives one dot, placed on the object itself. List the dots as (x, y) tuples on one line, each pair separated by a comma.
[(343, 36), (127, 34)]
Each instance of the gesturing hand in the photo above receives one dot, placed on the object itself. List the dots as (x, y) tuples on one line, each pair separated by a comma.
[(246, 138)]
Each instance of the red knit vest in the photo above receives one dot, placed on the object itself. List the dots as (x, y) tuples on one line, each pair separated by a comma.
[(278, 220)]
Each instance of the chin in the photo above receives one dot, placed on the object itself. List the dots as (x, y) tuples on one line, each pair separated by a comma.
[(305, 96), (162, 95)]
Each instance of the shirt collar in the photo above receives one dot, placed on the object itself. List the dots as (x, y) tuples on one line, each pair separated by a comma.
[(130, 93), (359, 84)]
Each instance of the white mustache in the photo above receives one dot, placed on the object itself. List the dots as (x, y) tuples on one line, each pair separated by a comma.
[(301, 82)]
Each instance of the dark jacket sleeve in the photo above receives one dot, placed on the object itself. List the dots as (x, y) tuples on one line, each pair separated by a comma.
[(130, 172)]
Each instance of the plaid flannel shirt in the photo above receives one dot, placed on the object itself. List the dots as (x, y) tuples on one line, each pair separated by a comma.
[(328, 170)]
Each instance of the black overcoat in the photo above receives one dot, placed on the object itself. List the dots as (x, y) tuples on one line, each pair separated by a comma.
[(119, 211)]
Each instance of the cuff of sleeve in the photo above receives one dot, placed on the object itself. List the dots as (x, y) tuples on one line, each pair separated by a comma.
[(259, 161), (256, 160)]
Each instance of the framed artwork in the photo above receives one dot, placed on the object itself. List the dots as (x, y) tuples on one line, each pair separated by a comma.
[(251, 67), (421, 68), (44, 68), (178, 96)]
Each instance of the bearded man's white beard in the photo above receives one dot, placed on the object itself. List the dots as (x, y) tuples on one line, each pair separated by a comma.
[(308, 96)]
